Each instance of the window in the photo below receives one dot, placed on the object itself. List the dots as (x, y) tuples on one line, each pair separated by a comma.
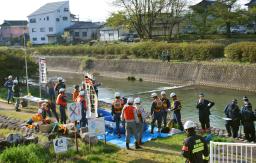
[(66, 10), (34, 39), (33, 29), (47, 18), (65, 18), (57, 19), (42, 29), (43, 38), (50, 29), (33, 20), (58, 11), (77, 34), (84, 34)]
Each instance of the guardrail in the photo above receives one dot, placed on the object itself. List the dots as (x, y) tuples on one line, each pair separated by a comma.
[(221, 152)]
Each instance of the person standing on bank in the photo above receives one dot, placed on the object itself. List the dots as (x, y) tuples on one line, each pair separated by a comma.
[(16, 94), (62, 102), (248, 118), (50, 85), (156, 114), (204, 107), (129, 115), (117, 106), (8, 84), (176, 107), (166, 106), (142, 117), (232, 111), (60, 85), (195, 148)]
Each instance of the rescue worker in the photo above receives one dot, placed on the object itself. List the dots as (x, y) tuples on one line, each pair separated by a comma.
[(75, 93), (166, 106), (204, 107), (248, 118), (8, 84), (50, 85), (59, 85), (130, 117), (16, 94), (142, 118), (45, 110), (62, 102), (195, 148), (156, 107), (232, 111), (81, 99), (38, 117), (95, 86), (117, 106), (176, 107)]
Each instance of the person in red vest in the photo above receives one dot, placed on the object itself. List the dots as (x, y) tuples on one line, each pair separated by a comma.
[(117, 106), (156, 108), (81, 99), (129, 115), (75, 93), (62, 102)]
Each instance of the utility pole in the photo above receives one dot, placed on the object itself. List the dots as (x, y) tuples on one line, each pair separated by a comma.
[(26, 63)]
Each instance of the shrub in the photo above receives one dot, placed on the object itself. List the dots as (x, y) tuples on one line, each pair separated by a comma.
[(243, 52)]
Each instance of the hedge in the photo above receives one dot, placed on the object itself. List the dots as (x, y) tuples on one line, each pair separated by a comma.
[(243, 52), (149, 49)]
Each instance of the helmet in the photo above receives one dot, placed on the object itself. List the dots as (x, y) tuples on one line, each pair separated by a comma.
[(117, 94), (172, 94), (163, 93), (15, 81), (59, 79), (40, 111), (245, 98), (234, 100), (154, 95), (81, 93), (189, 124), (201, 95), (76, 86), (137, 100), (10, 77), (62, 90), (130, 100)]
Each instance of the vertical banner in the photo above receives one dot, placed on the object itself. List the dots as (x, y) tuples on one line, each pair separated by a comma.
[(42, 71)]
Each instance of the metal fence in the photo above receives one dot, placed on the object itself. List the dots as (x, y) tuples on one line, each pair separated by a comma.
[(221, 152)]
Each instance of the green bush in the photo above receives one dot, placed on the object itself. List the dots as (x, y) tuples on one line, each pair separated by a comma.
[(243, 52)]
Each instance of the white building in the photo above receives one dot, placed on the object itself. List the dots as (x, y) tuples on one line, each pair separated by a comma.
[(49, 21), (109, 34)]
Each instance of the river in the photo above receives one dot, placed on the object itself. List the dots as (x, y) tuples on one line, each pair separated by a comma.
[(187, 95)]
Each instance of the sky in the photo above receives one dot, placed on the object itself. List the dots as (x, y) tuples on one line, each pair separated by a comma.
[(94, 10)]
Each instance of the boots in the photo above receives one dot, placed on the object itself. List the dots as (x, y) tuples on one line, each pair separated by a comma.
[(127, 146), (152, 130), (137, 145)]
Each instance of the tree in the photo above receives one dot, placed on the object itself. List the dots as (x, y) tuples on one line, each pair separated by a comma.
[(119, 19), (252, 18)]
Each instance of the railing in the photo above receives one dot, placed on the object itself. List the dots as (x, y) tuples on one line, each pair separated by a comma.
[(221, 152)]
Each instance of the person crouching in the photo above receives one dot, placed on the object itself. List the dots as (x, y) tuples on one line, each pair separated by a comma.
[(130, 117)]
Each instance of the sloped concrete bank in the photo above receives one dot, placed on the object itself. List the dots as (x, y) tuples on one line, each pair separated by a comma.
[(234, 76)]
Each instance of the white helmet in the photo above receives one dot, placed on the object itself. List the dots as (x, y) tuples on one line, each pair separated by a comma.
[(62, 90), (154, 95), (163, 93), (40, 111), (130, 100), (15, 81), (59, 78), (172, 94), (189, 124), (10, 77), (137, 100), (117, 94), (81, 93)]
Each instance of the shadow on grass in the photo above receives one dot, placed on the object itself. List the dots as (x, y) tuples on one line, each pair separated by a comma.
[(143, 161), (163, 146)]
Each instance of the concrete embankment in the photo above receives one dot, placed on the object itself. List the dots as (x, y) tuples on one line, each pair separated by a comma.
[(234, 76)]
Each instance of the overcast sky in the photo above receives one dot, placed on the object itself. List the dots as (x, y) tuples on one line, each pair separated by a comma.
[(95, 10)]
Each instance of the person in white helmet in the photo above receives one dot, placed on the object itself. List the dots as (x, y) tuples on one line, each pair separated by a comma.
[(166, 106), (195, 148), (129, 115), (156, 112), (59, 85), (16, 94), (176, 107), (81, 99), (142, 118), (62, 102), (117, 106), (8, 84)]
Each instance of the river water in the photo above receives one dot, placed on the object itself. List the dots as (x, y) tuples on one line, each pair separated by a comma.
[(187, 95)]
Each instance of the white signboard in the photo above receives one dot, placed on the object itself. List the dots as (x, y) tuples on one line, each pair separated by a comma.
[(74, 110), (96, 126), (60, 145), (42, 71)]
